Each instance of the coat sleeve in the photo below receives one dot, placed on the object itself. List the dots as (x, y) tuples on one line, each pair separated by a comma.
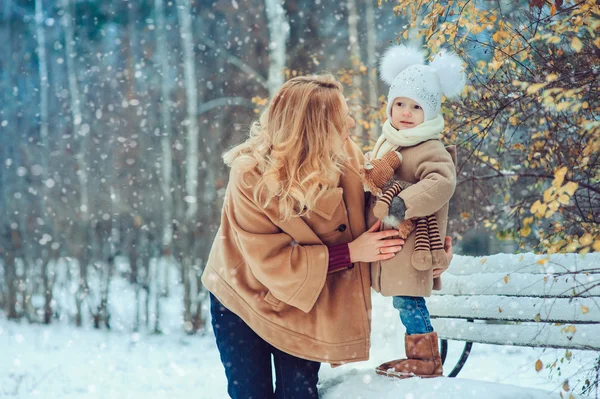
[(293, 273), (435, 174)]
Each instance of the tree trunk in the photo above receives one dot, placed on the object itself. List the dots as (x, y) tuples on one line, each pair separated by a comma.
[(167, 155), (43, 75), (191, 159), (356, 58), (413, 38), (9, 235), (189, 69), (279, 31), (372, 77), (80, 135), (187, 294), (10, 271)]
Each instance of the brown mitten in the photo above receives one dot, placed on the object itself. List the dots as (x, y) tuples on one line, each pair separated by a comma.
[(438, 255), (421, 258)]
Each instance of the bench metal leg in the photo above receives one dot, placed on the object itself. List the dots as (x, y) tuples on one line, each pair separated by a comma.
[(443, 349), (463, 357)]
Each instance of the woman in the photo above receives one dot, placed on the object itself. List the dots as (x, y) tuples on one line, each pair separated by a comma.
[(289, 268)]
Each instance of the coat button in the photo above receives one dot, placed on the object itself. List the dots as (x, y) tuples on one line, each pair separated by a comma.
[(342, 227)]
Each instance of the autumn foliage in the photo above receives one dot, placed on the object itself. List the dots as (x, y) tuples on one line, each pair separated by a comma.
[(527, 128)]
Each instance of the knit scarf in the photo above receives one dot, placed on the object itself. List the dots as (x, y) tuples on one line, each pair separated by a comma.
[(391, 138)]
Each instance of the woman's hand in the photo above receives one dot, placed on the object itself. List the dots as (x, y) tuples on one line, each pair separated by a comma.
[(448, 249), (372, 245)]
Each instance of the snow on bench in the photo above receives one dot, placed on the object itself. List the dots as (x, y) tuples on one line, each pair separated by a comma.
[(521, 300)]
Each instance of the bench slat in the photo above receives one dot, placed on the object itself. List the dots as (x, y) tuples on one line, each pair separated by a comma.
[(526, 263), (492, 307), (519, 284), (534, 335)]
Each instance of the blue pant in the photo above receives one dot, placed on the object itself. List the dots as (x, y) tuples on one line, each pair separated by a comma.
[(414, 314), (247, 361)]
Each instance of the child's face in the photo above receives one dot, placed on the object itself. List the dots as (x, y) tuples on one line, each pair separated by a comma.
[(406, 113)]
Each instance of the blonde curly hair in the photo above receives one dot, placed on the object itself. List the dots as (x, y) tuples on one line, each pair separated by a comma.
[(296, 146)]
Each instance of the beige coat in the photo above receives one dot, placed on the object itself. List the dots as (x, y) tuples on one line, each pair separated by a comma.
[(431, 167), (273, 274)]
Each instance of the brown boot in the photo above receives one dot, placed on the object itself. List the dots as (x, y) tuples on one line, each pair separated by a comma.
[(423, 358)]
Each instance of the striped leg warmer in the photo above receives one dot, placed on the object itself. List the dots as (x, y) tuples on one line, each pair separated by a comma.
[(421, 258), (440, 260), (382, 207)]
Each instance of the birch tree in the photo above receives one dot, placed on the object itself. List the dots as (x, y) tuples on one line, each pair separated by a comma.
[(372, 77), (167, 156), (81, 134), (191, 159), (279, 31), (45, 153), (9, 234), (354, 48)]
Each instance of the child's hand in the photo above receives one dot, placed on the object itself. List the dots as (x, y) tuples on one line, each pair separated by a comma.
[(448, 248)]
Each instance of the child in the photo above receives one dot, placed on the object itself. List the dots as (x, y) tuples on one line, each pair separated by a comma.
[(414, 129)]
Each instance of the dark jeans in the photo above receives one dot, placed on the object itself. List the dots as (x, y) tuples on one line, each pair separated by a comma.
[(414, 314), (247, 361)]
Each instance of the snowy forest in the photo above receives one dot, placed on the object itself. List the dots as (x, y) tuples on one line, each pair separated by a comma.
[(114, 116)]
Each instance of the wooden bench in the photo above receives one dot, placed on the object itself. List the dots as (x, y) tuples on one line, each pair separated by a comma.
[(520, 300)]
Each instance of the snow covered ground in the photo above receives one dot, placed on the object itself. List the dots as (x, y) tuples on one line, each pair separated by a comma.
[(60, 361)]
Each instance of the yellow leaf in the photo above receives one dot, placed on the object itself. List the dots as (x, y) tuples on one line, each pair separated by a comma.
[(553, 40), (538, 208), (566, 386), (564, 199), (596, 246), (548, 194), (538, 365), (572, 247), (570, 188), (525, 231), (559, 176), (500, 36), (584, 309), (499, 309), (535, 87), (521, 258), (586, 239), (542, 261), (569, 329), (506, 279), (551, 77), (576, 44), (563, 105), (483, 260)]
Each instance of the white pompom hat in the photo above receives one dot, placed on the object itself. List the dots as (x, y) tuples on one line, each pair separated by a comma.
[(404, 69)]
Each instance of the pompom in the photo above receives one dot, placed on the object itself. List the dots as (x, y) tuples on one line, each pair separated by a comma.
[(450, 71), (397, 58)]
